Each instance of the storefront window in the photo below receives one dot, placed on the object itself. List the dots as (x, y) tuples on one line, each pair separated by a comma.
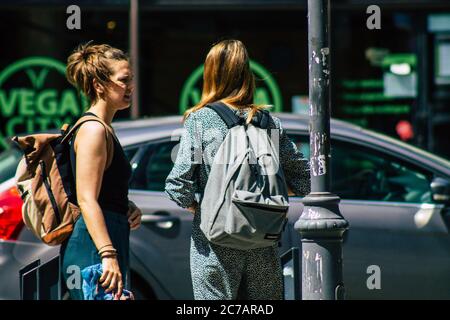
[(174, 45), (34, 93), (393, 80), (375, 73)]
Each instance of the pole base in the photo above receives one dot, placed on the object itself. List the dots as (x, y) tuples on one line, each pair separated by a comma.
[(321, 217)]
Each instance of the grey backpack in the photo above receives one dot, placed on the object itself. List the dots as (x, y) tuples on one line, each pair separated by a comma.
[(245, 201)]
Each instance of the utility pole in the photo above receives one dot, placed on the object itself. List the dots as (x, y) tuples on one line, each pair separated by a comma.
[(134, 55), (321, 225)]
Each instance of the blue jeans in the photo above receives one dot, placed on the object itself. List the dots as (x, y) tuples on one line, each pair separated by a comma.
[(79, 251)]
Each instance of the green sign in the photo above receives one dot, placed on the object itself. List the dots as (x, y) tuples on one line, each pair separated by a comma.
[(367, 97), (30, 100), (267, 91)]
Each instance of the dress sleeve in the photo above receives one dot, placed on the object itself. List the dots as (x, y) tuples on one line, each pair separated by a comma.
[(295, 166), (182, 181)]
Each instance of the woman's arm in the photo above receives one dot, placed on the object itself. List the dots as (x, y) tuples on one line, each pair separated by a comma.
[(91, 157), (181, 184), (90, 148), (295, 166)]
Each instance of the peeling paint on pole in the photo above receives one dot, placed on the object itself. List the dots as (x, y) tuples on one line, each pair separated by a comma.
[(321, 225), (313, 266), (325, 53), (319, 155)]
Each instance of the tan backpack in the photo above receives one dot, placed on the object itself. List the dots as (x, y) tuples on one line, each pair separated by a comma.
[(46, 183)]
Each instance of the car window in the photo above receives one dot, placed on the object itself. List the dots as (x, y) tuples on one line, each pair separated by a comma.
[(360, 173), (9, 159), (153, 167), (130, 152), (357, 173)]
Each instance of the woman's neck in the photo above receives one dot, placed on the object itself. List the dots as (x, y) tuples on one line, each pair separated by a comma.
[(101, 110)]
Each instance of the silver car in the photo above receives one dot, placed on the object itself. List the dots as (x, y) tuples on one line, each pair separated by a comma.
[(395, 197)]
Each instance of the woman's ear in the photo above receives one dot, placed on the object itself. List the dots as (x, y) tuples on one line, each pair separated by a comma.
[(99, 89)]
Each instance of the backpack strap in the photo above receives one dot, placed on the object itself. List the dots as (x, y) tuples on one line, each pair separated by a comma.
[(109, 134), (231, 119), (227, 115), (263, 119)]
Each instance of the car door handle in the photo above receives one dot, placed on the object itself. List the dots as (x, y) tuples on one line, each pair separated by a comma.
[(161, 219), (155, 219)]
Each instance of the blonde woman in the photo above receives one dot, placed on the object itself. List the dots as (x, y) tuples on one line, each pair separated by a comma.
[(218, 272), (101, 234)]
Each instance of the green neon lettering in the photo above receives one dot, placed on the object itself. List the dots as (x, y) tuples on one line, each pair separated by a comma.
[(26, 102), (46, 102), (29, 123), (376, 109), (59, 122), (363, 83), (367, 96), (43, 123), (31, 62), (7, 105), (11, 124), (69, 103), (37, 80), (29, 109), (3, 144)]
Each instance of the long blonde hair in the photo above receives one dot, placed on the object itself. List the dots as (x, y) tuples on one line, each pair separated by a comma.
[(227, 77)]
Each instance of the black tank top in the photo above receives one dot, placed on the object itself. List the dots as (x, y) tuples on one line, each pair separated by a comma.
[(113, 194)]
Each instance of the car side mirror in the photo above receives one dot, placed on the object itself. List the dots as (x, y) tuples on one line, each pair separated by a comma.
[(440, 190)]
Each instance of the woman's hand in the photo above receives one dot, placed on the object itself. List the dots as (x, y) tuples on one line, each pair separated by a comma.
[(111, 279), (134, 216), (290, 192), (192, 209)]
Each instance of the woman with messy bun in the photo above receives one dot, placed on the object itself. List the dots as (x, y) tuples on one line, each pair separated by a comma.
[(101, 234)]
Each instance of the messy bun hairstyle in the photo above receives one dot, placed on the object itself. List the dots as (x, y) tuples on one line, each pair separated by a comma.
[(89, 62)]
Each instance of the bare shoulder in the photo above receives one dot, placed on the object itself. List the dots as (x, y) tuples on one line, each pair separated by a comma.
[(92, 127), (91, 133)]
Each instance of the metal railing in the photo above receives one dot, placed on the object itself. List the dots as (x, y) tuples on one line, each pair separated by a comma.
[(41, 281), (290, 264)]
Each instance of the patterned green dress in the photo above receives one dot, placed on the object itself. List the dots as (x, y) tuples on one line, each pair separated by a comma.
[(220, 273)]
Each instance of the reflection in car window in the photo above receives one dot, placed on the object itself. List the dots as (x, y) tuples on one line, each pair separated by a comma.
[(359, 173), (153, 167), (362, 174)]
